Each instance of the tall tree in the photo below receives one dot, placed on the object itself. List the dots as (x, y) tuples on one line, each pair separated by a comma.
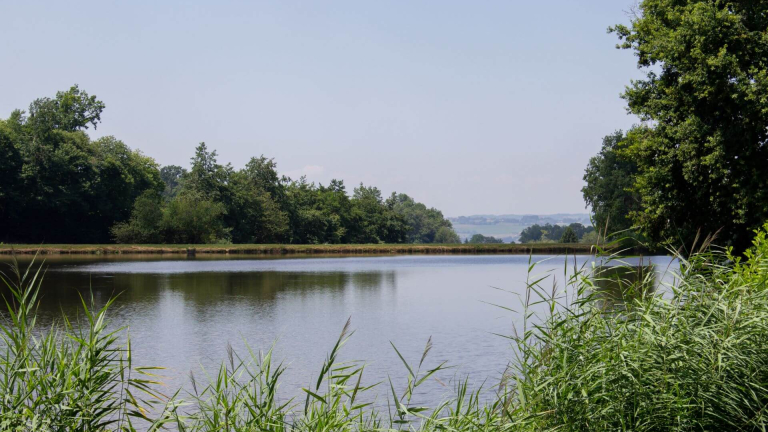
[(172, 176), (70, 111), (569, 236), (702, 155), (446, 235), (609, 178), (253, 215), (423, 223), (11, 163), (206, 176)]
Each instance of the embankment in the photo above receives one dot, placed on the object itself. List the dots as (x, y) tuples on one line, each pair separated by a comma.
[(265, 249)]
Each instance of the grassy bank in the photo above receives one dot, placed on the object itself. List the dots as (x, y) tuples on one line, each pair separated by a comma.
[(277, 249), (693, 356)]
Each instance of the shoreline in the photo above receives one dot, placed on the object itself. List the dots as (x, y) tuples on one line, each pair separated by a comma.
[(278, 249)]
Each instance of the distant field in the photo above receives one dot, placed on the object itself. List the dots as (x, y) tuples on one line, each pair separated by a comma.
[(256, 249)]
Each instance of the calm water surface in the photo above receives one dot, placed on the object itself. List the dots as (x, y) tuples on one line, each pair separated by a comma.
[(182, 313)]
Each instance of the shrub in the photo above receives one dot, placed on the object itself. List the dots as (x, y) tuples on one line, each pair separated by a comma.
[(72, 376), (446, 235), (569, 236), (693, 359)]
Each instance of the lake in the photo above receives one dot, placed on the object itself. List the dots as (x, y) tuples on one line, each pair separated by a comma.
[(182, 313)]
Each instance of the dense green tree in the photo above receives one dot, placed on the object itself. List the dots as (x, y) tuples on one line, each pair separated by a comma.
[(11, 164), (702, 154), (307, 223), (56, 178), (541, 233), (337, 207), (192, 218), (552, 233), (481, 239), (263, 173), (255, 217), (609, 179), (423, 223), (569, 236), (70, 111), (446, 235), (54, 168), (102, 190), (206, 176), (590, 238), (373, 220), (146, 223), (122, 175), (172, 176)]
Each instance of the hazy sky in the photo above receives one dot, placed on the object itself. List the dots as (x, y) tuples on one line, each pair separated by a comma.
[(468, 106)]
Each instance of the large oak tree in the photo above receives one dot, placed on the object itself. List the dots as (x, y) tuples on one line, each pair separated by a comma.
[(702, 151)]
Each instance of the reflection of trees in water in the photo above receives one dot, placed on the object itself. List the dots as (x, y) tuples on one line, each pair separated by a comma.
[(60, 289), (621, 285)]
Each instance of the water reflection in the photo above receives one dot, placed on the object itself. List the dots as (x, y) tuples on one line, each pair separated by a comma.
[(182, 313), (618, 286), (202, 290)]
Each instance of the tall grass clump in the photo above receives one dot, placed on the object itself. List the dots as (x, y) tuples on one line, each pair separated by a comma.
[(691, 357), (603, 350), (69, 376)]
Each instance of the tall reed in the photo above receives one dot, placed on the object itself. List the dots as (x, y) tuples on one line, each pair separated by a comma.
[(694, 357), (69, 376)]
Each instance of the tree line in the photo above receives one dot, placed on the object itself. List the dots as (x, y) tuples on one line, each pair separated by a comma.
[(481, 239), (697, 165), (572, 233), (59, 186)]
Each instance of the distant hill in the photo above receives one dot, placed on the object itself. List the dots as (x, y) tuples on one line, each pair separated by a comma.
[(509, 226)]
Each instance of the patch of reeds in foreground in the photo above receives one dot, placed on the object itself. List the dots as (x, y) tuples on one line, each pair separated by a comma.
[(692, 356)]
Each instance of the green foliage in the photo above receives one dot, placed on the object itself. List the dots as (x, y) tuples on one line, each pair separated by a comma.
[(481, 239), (59, 186), (589, 238), (192, 218), (569, 236), (207, 177), (376, 221), (423, 223), (70, 376), (701, 154), (609, 179), (72, 110), (11, 163), (102, 190), (692, 357), (123, 176), (552, 233), (146, 223), (446, 235), (254, 216), (172, 176)]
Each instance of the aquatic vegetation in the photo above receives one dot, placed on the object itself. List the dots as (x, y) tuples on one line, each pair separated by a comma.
[(691, 355)]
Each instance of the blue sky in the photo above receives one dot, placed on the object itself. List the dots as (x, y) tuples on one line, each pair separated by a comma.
[(471, 107)]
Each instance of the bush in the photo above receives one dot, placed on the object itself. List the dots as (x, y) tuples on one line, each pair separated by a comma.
[(569, 236), (73, 376), (481, 239), (446, 235), (694, 360), (145, 223)]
